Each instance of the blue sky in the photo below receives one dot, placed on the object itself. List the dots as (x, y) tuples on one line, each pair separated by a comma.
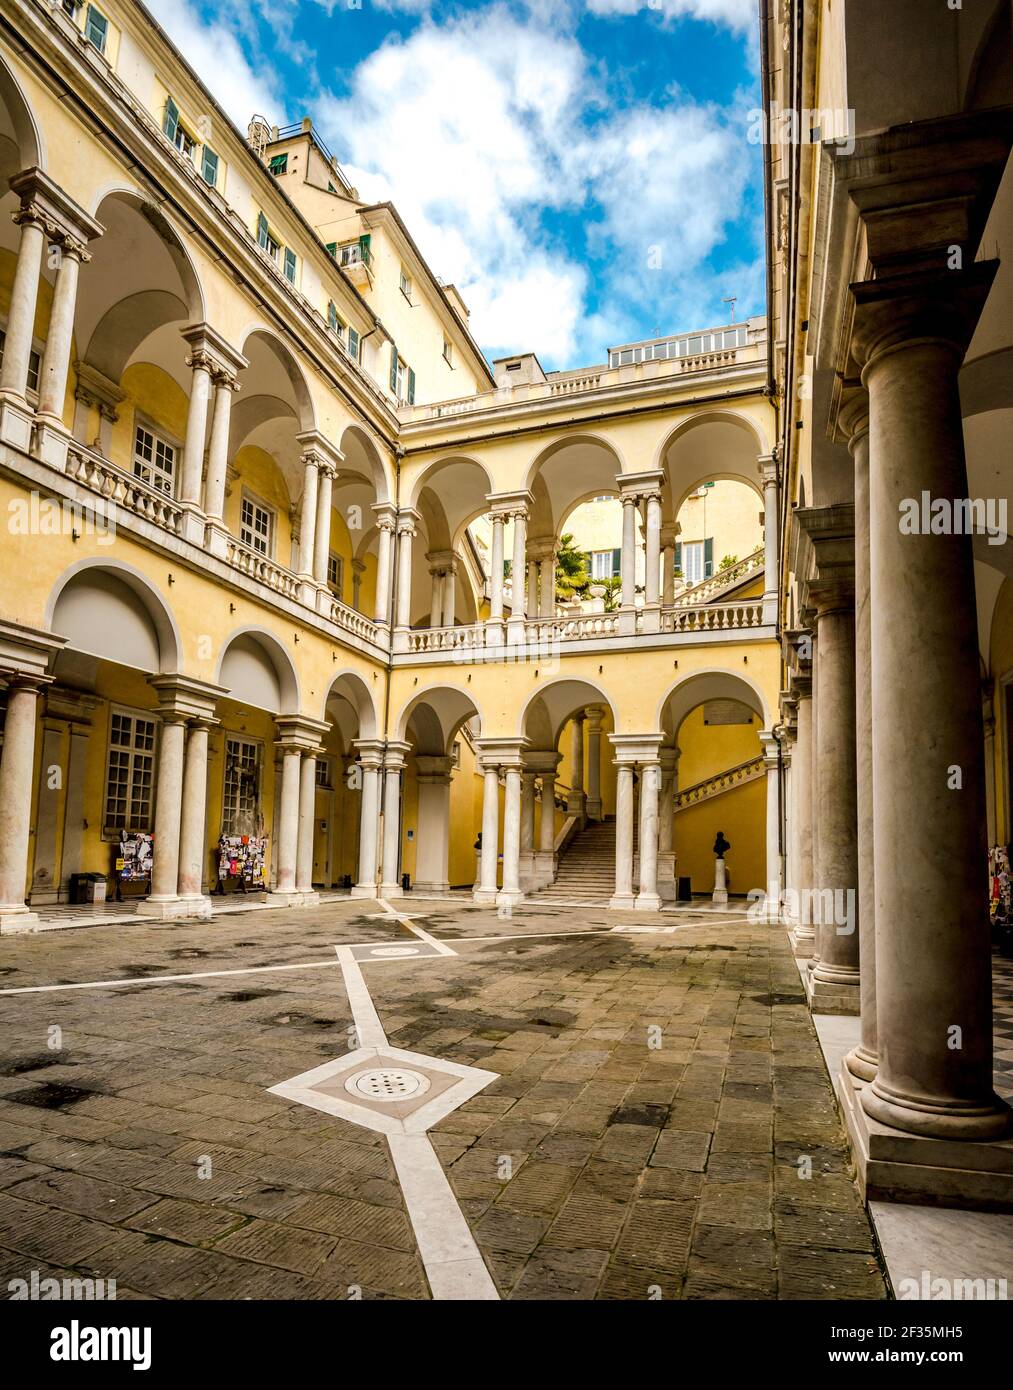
[(579, 168)]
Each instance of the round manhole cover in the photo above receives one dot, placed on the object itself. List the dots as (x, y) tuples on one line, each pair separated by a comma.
[(387, 1084), (395, 951)]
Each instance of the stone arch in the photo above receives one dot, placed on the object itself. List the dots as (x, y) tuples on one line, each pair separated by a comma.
[(259, 671), (26, 149), (349, 700), (436, 716), (714, 684), (137, 621), (363, 457), (548, 710), (266, 354)]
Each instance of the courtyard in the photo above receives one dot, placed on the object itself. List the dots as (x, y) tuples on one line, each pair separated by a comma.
[(658, 1124)]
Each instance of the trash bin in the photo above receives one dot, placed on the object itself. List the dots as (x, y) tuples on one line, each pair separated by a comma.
[(685, 890), (87, 888), (406, 883)]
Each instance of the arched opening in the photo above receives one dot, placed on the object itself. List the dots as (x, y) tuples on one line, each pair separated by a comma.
[(350, 712), (360, 486), (711, 725), (451, 554)]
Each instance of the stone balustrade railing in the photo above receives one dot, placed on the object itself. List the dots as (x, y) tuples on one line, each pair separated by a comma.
[(355, 623), (117, 486), (736, 776), (724, 579), (259, 567), (582, 628), (717, 617)]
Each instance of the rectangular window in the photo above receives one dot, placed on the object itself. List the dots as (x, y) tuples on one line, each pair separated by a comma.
[(96, 28), (448, 352), (333, 322), (278, 164), (256, 525), (406, 285), (209, 167), (265, 240), (290, 264), (336, 574), (601, 564), (130, 771), (323, 777), (351, 254), (692, 562), (241, 795), (331, 247), (353, 343), (154, 459), (71, 7)]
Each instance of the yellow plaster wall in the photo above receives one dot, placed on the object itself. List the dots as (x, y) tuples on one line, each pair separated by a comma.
[(740, 813)]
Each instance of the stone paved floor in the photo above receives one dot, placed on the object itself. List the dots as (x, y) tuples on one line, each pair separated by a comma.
[(662, 1125)]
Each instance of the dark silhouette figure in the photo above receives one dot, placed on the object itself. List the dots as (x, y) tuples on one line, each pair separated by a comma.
[(721, 845)]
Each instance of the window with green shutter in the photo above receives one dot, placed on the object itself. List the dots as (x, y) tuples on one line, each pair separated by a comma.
[(678, 557), (290, 264), (617, 562), (263, 231), (209, 167), (278, 164), (708, 558), (332, 249), (96, 29), (170, 122), (411, 387), (353, 343), (333, 323), (365, 242), (393, 367)]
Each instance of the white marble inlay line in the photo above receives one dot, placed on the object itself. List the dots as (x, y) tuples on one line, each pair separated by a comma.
[(409, 922)]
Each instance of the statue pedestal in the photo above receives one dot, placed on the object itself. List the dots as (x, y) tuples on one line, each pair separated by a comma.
[(720, 894)]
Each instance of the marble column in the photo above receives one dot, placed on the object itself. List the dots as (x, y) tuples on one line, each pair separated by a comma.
[(576, 802), (803, 934), (436, 597), (193, 821), (668, 567), (24, 298), (308, 514), (287, 834), (652, 561), (486, 891), (218, 449), (862, 1060), (650, 786), (17, 763), (629, 553), (307, 824), (527, 850), (56, 358), (933, 948), (405, 535), (667, 886), (450, 594), (835, 976), (201, 365), (432, 856), (532, 573), (358, 570), (384, 554), (394, 764), (593, 807), (772, 884), (623, 896), (168, 812), (547, 596), (496, 569), (511, 891), (322, 530), (517, 574), (988, 720), (369, 822)]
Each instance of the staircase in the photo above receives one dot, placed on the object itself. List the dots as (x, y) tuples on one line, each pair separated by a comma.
[(586, 872)]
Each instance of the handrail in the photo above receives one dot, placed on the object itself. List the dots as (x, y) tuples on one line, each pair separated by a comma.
[(721, 782), (724, 579)]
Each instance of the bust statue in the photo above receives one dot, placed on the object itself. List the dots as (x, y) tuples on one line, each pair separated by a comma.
[(721, 845)]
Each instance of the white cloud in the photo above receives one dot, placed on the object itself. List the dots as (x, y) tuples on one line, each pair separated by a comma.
[(740, 15), (215, 53)]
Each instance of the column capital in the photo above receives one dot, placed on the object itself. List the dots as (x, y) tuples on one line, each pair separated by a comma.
[(394, 755), (767, 467), (433, 770), (386, 516), (442, 561), (500, 752), (852, 422), (936, 307), (370, 752), (27, 651), (93, 388), (595, 714), (358, 566), (636, 748), (543, 764), (210, 350), (295, 733), (771, 744), (669, 758), (62, 219), (408, 521), (640, 485), (185, 696), (506, 505), (318, 449), (828, 566)]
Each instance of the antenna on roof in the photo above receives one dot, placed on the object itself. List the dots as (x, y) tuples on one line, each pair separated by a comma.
[(731, 312)]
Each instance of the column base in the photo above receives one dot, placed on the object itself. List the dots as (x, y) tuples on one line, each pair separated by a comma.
[(197, 906), (400, 639), (647, 902), (895, 1166), (164, 909), (364, 890), (494, 632), (803, 941), (218, 539), (391, 890), (51, 441), (862, 1063), (484, 895), (622, 902), (829, 996), (720, 896), (651, 617), (627, 622), (985, 1122), (509, 897), (293, 897), (438, 888), (15, 918), (16, 421), (194, 527), (516, 632), (593, 808)]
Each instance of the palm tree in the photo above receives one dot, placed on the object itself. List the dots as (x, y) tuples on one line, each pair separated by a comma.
[(572, 578)]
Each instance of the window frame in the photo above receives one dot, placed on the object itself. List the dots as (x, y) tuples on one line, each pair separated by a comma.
[(208, 153), (281, 160), (272, 245), (93, 10), (448, 353), (289, 260), (257, 747), (110, 831), (406, 285), (167, 441), (336, 585), (258, 503)]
